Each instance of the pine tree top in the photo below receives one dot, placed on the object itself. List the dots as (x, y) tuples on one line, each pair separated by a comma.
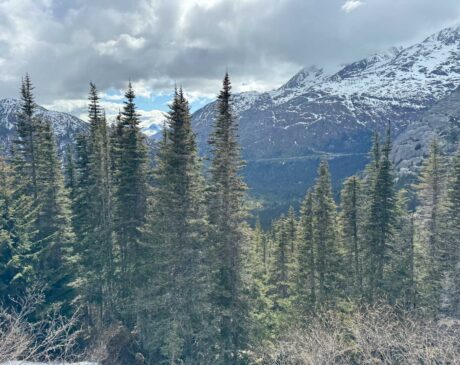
[(94, 108), (27, 97), (129, 115)]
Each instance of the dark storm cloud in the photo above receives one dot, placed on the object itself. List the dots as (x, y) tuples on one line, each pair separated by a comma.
[(64, 43)]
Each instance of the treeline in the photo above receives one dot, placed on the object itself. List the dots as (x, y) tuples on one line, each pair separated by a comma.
[(166, 252), (370, 248)]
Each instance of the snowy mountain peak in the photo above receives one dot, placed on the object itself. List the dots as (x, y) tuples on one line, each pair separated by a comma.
[(64, 125), (333, 113), (447, 36), (304, 77)]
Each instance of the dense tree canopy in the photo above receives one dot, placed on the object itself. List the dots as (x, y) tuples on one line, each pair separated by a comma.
[(165, 250)]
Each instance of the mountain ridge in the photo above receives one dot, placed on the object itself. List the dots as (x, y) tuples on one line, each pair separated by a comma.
[(320, 113), (65, 125)]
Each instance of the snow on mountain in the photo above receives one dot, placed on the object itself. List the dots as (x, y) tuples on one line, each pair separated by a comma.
[(65, 125), (396, 85), (151, 122), (333, 113), (442, 121), (299, 84)]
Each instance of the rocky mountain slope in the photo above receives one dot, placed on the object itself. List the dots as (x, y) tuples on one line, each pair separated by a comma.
[(65, 125), (442, 121), (333, 114)]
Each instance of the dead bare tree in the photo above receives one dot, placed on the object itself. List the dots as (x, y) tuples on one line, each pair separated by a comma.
[(377, 335), (51, 338)]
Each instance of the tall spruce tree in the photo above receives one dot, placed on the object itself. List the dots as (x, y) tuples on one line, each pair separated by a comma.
[(350, 226), (81, 220), (282, 265), (401, 284), (306, 280), (291, 231), (430, 190), (94, 215), (380, 221), (16, 226), (261, 319), (26, 142), (175, 312), (130, 200), (38, 171), (451, 234), (328, 257), (226, 215), (70, 177), (54, 238)]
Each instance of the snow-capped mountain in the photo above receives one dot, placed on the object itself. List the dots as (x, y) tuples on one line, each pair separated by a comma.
[(333, 113), (65, 125)]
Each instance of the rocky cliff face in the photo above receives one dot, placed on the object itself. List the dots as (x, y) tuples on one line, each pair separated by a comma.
[(441, 121)]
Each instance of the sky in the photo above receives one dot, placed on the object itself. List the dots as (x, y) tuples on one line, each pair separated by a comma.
[(157, 44)]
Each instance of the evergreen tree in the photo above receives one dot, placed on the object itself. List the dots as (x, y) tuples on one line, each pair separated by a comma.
[(451, 234), (260, 248), (306, 280), (81, 214), (401, 284), (26, 142), (54, 238), (226, 214), (350, 225), (262, 318), (70, 177), (291, 229), (328, 260), (380, 223), (38, 173), (430, 189), (175, 313), (16, 226), (282, 264), (94, 213), (130, 199)]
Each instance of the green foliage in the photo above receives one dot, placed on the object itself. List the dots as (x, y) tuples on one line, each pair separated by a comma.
[(227, 238), (429, 250), (129, 168), (305, 276), (170, 254), (451, 234), (16, 272), (328, 260), (350, 224), (381, 220), (177, 306)]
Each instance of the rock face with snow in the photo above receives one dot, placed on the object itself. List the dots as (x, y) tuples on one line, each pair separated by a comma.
[(319, 113), (442, 121), (65, 125)]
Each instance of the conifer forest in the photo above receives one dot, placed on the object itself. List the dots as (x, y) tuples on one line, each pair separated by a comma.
[(144, 254)]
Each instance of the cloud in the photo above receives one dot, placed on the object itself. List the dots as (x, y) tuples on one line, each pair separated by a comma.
[(156, 44), (123, 44), (151, 121), (351, 5)]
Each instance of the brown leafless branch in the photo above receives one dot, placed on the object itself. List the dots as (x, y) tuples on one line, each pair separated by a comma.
[(376, 335), (50, 338)]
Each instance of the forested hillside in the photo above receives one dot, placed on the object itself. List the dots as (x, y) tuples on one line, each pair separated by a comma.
[(156, 262)]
